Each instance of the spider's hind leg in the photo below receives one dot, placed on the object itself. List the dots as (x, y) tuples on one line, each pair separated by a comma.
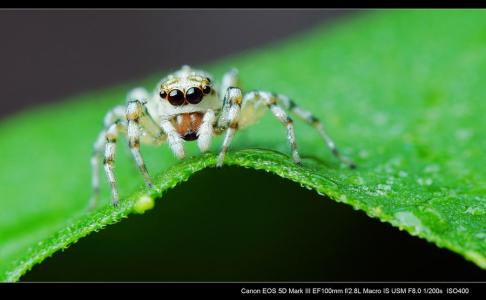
[(113, 117), (310, 119), (108, 162)]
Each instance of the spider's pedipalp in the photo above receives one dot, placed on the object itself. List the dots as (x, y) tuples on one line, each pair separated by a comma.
[(310, 119), (205, 132), (174, 139)]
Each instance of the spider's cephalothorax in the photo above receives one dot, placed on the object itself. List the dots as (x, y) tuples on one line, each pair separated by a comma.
[(187, 106), (187, 94)]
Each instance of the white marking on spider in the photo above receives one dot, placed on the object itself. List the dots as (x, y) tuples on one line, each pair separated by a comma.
[(185, 106)]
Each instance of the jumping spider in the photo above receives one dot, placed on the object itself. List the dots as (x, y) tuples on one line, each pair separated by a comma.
[(187, 107)]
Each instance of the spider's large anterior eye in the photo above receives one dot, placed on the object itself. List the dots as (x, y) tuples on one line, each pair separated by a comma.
[(207, 89), (194, 95), (176, 97)]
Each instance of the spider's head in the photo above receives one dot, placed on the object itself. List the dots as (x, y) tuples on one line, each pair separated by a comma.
[(186, 86)]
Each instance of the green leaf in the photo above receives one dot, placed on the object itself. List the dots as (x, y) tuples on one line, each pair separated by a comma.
[(401, 92)]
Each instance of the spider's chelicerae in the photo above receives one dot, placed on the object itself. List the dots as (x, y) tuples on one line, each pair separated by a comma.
[(186, 106)]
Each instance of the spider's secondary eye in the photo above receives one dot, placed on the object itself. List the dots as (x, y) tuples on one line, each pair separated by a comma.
[(207, 89), (194, 95), (163, 94), (176, 97)]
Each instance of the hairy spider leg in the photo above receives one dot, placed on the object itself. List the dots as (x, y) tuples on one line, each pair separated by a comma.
[(128, 120), (110, 147), (252, 111), (136, 112), (113, 117), (229, 120), (230, 79), (310, 119)]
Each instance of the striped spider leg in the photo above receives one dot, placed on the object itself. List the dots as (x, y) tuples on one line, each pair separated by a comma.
[(127, 120), (310, 119), (238, 113)]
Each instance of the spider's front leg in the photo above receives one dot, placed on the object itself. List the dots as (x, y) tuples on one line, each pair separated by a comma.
[(229, 119), (136, 112)]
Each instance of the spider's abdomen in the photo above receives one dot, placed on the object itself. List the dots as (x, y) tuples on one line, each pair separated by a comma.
[(187, 125)]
